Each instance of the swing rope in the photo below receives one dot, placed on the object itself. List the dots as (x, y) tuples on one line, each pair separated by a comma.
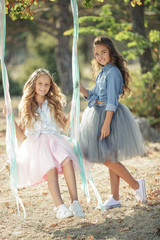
[(75, 110), (11, 141)]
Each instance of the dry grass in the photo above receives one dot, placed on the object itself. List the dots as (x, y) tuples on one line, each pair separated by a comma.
[(132, 221)]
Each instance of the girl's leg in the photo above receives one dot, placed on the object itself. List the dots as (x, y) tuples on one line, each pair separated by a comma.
[(53, 186), (114, 181), (122, 172), (70, 178)]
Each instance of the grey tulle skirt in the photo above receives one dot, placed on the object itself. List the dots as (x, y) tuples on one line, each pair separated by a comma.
[(125, 140)]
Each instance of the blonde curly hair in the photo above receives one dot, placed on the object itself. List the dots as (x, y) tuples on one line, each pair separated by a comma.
[(28, 105)]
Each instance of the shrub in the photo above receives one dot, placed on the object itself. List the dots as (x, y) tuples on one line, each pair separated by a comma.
[(14, 87), (145, 98)]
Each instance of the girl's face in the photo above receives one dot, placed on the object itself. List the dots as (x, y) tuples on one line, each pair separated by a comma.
[(101, 53), (43, 84)]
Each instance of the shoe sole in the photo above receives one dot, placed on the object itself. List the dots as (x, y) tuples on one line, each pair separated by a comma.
[(144, 191), (77, 216), (67, 216), (112, 206)]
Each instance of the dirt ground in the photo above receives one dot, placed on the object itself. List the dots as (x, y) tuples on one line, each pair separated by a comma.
[(133, 220)]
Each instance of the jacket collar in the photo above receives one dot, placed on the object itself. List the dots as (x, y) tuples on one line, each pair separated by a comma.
[(107, 67)]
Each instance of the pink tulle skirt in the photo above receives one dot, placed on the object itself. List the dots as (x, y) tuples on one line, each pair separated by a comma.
[(36, 156)]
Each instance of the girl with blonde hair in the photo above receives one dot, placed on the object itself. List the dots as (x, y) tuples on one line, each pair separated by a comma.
[(45, 153)]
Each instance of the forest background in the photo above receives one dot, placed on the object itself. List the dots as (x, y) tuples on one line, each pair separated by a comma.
[(39, 34)]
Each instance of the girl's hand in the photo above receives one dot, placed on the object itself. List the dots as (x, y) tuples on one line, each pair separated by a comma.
[(81, 86), (83, 90), (5, 110), (67, 123), (105, 131)]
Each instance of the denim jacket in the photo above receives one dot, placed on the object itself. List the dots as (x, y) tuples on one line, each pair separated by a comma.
[(109, 85)]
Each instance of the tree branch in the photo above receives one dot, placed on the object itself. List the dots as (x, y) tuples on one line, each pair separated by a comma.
[(47, 31), (45, 22), (42, 10)]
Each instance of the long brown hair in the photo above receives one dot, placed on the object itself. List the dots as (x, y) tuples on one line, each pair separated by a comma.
[(28, 105), (116, 59)]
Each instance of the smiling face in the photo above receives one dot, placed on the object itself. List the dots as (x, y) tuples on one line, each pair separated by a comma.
[(43, 84), (101, 53)]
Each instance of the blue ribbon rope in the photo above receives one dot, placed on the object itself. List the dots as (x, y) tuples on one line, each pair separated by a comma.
[(75, 110), (11, 141)]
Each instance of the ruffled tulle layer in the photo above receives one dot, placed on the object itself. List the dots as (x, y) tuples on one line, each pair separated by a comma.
[(36, 156), (125, 140)]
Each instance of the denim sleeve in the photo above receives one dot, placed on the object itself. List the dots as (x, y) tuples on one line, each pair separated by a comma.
[(114, 88)]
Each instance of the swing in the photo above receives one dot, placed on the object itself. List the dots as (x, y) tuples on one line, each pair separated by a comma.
[(11, 141)]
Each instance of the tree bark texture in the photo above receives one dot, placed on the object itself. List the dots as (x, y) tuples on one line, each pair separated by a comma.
[(137, 13), (63, 52)]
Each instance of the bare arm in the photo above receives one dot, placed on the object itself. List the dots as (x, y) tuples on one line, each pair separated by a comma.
[(105, 130), (66, 123), (19, 132), (83, 90)]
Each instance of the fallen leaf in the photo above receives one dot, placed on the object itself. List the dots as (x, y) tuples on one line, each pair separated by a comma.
[(123, 229), (53, 225), (12, 210), (68, 237), (90, 237), (94, 222), (86, 224), (25, 204), (158, 231), (44, 193), (120, 220)]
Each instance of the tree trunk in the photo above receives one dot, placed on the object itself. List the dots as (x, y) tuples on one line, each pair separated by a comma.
[(63, 52), (137, 12)]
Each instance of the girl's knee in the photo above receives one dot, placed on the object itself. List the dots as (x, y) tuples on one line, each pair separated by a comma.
[(108, 163), (52, 172), (67, 162)]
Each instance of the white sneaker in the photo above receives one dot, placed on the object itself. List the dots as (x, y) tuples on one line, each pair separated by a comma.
[(76, 209), (140, 193), (63, 212), (111, 203)]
